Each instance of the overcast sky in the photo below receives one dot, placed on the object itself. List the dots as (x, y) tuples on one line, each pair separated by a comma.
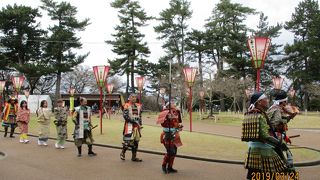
[(103, 19)]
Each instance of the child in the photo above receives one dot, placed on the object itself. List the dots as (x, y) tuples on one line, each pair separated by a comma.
[(61, 116), (23, 118), (44, 115)]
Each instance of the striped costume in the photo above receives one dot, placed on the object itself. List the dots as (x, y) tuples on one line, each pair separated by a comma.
[(261, 156), (9, 115), (131, 129), (9, 118)]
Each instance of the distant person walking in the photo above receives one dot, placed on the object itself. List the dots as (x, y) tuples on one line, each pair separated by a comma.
[(44, 115), (23, 118), (61, 116)]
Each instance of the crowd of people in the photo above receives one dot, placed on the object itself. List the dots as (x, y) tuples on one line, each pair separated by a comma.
[(264, 128), (15, 115)]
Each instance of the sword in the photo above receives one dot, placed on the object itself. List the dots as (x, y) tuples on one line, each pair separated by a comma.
[(94, 126), (294, 136)]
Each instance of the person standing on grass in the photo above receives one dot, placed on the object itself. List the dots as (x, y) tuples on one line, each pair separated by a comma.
[(171, 121), (23, 118), (132, 126), (9, 116), (44, 115), (61, 116), (83, 128)]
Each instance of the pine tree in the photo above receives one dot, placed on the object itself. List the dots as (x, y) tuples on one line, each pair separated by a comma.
[(196, 46), (21, 42), (302, 57), (63, 39), (226, 37), (172, 29), (128, 43)]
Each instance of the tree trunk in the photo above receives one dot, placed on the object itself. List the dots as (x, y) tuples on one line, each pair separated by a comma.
[(234, 103), (305, 101), (58, 86), (244, 105), (222, 103), (127, 87), (132, 73), (211, 110), (200, 69), (133, 54)]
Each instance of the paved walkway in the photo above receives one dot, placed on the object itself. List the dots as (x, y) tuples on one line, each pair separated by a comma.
[(31, 162)]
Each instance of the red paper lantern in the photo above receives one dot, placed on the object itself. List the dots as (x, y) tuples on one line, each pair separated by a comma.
[(17, 82), (189, 75), (110, 88), (101, 74), (140, 82), (259, 47), (277, 82)]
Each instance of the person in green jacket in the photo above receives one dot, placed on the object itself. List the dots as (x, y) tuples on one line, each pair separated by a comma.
[(262, 159), (61, 116)]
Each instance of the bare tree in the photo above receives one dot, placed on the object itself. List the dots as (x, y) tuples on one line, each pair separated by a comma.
[(83, 80)]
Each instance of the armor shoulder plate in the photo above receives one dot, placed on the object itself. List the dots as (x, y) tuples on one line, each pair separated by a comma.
[(250, 127)]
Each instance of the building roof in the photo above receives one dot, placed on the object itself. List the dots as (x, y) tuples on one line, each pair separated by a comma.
[(93, 97)]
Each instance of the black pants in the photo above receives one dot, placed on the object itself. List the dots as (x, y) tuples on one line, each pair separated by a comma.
[(134, 146)]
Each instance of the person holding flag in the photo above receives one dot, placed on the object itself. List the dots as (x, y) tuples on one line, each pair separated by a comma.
[(170, 120), (132, 127)]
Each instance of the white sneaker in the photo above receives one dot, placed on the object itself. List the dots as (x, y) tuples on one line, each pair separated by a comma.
[(56, 145), (26, 141), (61, 147), (40, 143), (44, 143), (21, 141)]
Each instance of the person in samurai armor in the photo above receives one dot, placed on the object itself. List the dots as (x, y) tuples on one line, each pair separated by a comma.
[(261, 156), (280, 114), (132, 126), (83, 128), (9, 116), (61, 116), (170, 120)]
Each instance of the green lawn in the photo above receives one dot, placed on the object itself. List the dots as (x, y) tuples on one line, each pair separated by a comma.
[(197, 144), (309, 120)]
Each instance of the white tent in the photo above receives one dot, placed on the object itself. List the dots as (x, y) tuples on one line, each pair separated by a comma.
[(34, 101)]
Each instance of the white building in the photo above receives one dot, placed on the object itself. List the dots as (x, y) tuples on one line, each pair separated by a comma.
[(34, 101)]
